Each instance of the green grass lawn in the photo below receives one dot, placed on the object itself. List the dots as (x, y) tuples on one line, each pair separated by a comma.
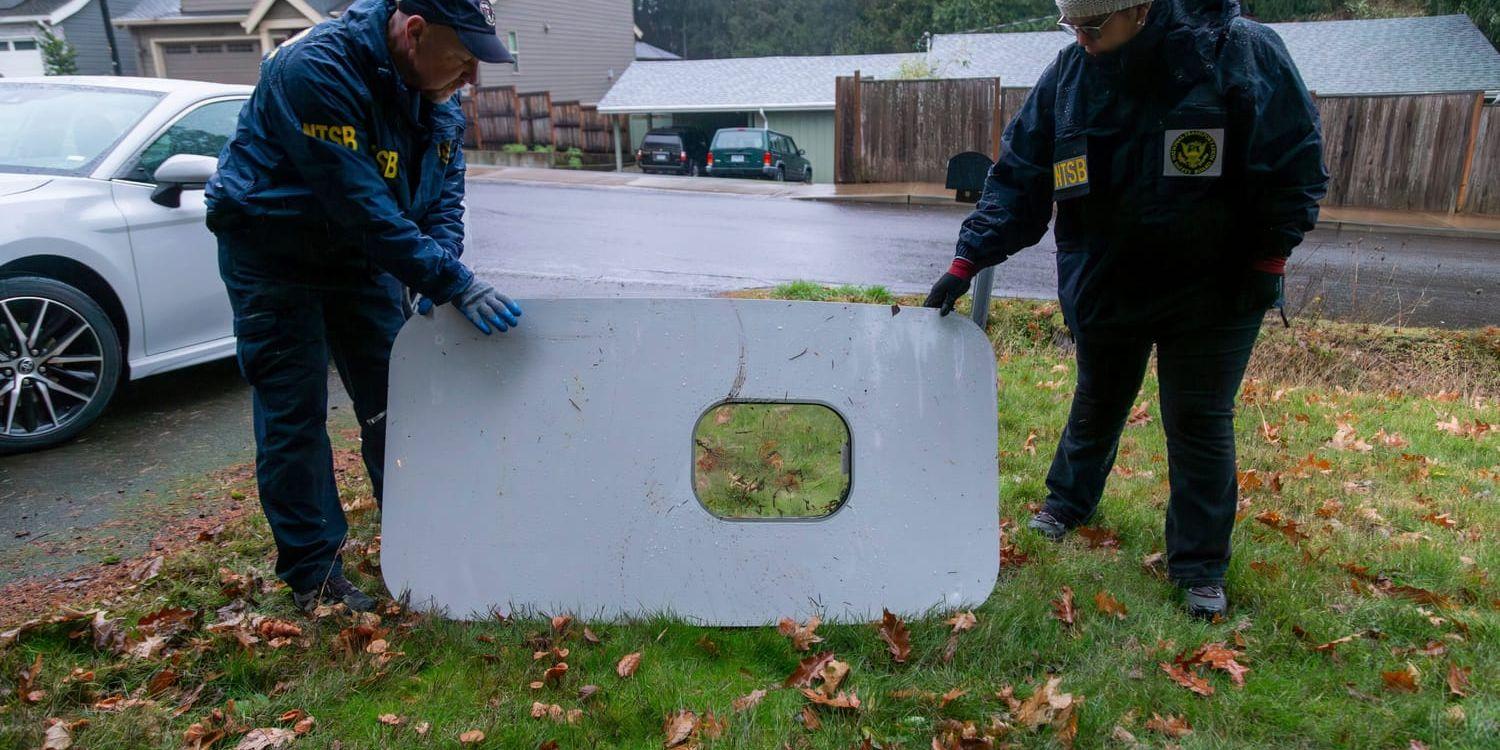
[(1369, 495), (770, 460)]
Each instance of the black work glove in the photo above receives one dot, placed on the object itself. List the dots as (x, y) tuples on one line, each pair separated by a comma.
[(953, 285), (1262, 291)]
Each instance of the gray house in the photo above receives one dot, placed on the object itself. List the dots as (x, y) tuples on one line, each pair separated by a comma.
[(574, 49), (79, 22), (795, 95), (216, 40)]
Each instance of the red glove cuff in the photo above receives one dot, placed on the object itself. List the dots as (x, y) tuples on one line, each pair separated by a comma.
[(1274, 265), (963, 268)]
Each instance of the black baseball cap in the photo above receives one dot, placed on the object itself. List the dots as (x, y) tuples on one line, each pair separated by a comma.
[(474, 20)]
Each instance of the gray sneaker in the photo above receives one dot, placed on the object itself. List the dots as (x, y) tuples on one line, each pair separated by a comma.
[(336, 590), (1207, 602), (1048, 526)]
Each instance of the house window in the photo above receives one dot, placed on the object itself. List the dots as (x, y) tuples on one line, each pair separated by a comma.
[(239, 47), (23, 44), (177, 49), (4, 45), (515, 51)]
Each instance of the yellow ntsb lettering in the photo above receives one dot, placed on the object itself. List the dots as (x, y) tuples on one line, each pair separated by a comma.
[(389, 163), (343, 135), (1070, 173)]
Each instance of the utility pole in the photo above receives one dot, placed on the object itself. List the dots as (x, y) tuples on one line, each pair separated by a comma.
[(109, 34)]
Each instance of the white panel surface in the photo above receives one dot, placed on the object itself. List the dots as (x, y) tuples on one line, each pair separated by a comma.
[(551, 468)]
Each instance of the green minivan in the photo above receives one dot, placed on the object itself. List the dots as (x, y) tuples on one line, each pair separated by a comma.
[(757, 152)]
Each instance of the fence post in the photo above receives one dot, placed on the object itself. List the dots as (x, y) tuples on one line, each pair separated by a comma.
[(1473, 141), (859, 126), (619, 157), (984, 284), (997, 125)]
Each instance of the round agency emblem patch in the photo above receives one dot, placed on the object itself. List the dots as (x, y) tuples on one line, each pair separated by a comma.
[(487, 11), (1194, 152)]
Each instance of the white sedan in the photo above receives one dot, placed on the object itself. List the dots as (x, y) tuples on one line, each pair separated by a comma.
[(107, 271)]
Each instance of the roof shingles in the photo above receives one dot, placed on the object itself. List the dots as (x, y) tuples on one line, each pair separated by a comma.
[(1384, 56)]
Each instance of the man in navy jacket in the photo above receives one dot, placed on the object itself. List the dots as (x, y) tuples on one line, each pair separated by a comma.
[(345, 181), (1183, 154)]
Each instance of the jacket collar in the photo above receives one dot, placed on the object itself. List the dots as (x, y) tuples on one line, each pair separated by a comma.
[(366, 21)]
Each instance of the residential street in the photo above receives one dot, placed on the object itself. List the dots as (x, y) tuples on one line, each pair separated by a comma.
[(541, 241)]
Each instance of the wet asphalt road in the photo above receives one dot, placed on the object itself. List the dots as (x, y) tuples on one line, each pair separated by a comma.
[(541, 241)]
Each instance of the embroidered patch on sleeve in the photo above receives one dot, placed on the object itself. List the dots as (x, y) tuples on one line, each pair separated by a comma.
[(1070, 173)]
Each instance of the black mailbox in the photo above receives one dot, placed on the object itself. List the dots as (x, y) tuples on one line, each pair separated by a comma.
[(966, 174)]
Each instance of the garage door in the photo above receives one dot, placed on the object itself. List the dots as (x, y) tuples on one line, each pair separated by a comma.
[(20, 57), (224, 62)]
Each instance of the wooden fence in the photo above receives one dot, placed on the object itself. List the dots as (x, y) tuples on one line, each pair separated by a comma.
[(598, 131), (567, 125), (904, 131), (1430, 152), (1482, 194), (499, 116), (536, 118), (494, 117), (1398, 152)]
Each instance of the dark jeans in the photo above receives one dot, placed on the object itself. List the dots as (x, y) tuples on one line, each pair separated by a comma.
[(289, 325), (1200, 373)]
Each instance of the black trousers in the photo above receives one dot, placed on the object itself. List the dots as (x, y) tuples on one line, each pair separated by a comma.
[(289, 325), (1200, 373)]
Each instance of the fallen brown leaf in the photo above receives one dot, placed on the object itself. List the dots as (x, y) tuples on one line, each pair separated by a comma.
[(392, 720), (897, 640), (471, 737), (841, 701), (679, 727), (1099, 538), (1402, 680), (748, 701), (1187, 679), (802, 636), (833, 674), (1062, 608), (808, 670), (1218, 656), (1458, 680), (1110, 606), (810, 720), (266, 738), (1170, 725), (628, 664)]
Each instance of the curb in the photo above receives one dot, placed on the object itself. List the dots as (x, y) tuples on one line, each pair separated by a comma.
[(1406, 229), (1492, 235)]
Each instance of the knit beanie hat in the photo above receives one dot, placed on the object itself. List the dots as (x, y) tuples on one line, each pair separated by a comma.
[(1090, 8)]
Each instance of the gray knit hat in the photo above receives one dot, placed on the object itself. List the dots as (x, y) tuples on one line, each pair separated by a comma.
[(1091, 8)]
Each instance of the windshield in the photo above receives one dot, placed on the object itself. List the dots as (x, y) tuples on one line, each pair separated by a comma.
[(60, 129), (739, 139)]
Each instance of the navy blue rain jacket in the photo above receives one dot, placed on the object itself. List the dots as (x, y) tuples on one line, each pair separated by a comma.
[(335, 159), (1176, 163)]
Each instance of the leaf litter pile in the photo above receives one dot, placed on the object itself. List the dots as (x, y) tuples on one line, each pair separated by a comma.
[(1363, 607)]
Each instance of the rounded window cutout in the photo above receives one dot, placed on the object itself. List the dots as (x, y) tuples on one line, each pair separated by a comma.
[(771, 461)]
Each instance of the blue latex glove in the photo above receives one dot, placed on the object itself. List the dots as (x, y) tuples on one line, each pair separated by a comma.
[(483, 306)]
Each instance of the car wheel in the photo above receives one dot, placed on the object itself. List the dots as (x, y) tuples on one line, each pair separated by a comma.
[(60, 361), (807, 175), (780, 174)]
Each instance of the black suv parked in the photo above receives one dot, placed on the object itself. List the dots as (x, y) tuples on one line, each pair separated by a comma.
[(675, 150)]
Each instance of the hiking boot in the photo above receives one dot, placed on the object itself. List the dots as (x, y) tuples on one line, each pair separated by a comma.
[(1207, 602), (1048, 526), (336, 590)]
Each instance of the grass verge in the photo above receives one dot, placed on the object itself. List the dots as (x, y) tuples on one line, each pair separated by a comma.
[(1362, 604)]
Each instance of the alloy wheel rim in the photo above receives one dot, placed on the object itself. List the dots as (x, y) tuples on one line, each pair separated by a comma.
[(51, 366)]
